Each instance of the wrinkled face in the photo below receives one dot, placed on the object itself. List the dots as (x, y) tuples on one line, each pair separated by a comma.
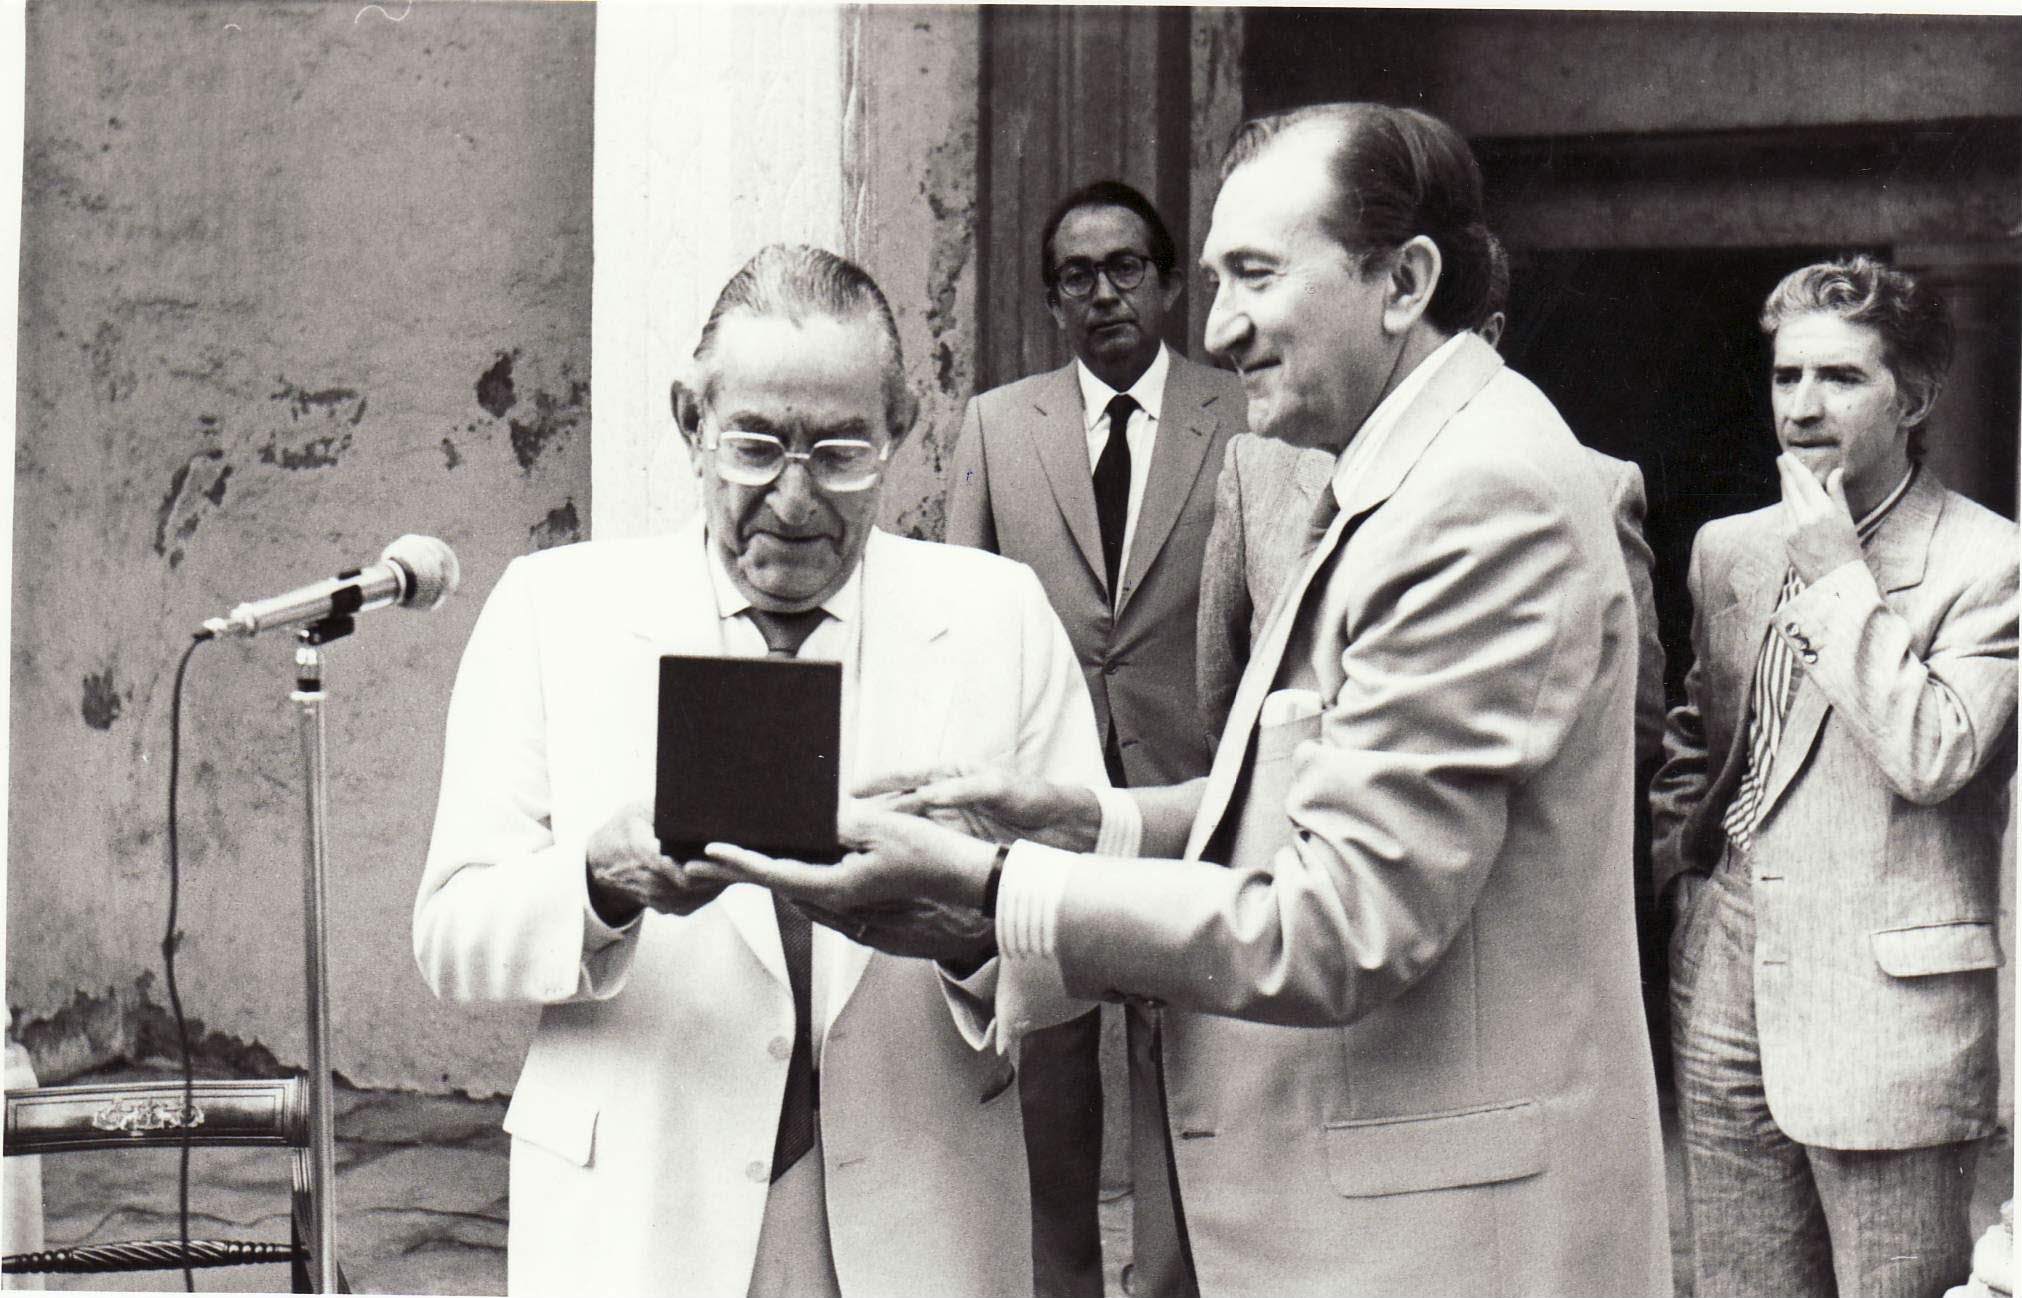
[(1837, 404), (1114, 331), (790, 544), (1293, 310)]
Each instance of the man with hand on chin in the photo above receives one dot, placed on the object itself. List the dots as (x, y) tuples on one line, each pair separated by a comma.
[(721, 1098), (1828, 821), (1386, 945)]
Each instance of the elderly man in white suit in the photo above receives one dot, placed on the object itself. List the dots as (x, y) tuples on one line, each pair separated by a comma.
[(653, 1125)]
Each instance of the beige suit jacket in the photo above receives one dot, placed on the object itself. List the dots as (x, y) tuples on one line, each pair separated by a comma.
[(1021, 487), (643, 1122), (1404, 1049), (1263, 499), (1877, 863)]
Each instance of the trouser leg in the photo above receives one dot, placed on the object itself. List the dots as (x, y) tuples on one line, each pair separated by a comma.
[(1898, 1217), (1758, 1226), (1060, 1092)]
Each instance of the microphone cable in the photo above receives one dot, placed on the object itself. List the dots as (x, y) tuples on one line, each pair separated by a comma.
[(170, 940)]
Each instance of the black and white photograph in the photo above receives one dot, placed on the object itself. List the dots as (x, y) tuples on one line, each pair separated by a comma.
[(805, 650)]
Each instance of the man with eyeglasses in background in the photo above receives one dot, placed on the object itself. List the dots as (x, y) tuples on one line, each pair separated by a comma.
[(1101, 476), (721, 1099)]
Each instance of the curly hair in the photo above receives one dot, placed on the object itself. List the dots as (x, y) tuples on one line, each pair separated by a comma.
[(1914, 324)]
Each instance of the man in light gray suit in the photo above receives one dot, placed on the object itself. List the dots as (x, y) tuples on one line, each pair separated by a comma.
[(1829, 820), (1100, 475)]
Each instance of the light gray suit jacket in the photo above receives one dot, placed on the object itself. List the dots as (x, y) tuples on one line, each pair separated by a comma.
[(1877, 863), (1263, 499), (1403, 1042), (1021, 486)]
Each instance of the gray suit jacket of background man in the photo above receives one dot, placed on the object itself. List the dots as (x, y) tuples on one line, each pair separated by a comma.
[(1021, 485)]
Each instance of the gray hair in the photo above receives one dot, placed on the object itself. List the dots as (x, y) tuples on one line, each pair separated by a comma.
[(1914, 324), (796, 282)]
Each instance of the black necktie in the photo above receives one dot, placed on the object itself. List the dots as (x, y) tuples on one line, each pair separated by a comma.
[(1112, 488), (784, 634)]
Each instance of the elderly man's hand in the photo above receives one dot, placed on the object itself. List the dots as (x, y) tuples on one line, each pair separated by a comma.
[(924, 930), (995, 803), (628, 871)]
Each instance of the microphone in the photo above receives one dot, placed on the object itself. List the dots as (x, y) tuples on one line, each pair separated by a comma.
[(413, 572)]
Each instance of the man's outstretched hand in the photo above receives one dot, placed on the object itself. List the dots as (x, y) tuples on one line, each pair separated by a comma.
[(994, 803)]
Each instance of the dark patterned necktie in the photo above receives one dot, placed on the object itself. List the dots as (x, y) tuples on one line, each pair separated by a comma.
[(784, 634), (1112, 489)]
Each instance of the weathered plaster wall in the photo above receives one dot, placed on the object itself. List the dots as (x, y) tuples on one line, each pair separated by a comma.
[(720, 131), (909, 194), (295, 278)]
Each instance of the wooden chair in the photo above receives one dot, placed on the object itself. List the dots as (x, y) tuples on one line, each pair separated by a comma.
[(149, 1115)]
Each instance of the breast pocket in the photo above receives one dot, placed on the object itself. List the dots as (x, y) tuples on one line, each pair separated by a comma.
[(1287, 719)]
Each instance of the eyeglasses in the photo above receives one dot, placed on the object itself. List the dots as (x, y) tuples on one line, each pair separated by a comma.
[(838, 464), (1077, 278)]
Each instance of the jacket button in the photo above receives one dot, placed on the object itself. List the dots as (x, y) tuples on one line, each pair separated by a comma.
[(779, 1048), (1809, 655), (756, 1171), (1109, 669), (1790, 627)]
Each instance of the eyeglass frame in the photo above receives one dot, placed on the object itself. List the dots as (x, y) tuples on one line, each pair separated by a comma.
[(1106, 267), (713, 434)]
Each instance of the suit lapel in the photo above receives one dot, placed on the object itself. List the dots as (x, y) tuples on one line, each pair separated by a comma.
[(676, 614), (898, 717), (1060, 440), (1186, 430), (1896, 554), (1463, 374)]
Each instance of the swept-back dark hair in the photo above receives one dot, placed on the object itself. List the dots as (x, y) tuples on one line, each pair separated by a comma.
[(1109, 193), (1396, 173)]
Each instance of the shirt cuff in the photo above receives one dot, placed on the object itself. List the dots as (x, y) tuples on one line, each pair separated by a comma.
[(1122, 824), (1028, 900)]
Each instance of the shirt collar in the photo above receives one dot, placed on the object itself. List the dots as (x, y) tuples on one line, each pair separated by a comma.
[(1148, 391), (1873, 519), (842, 604), (1392, 407)]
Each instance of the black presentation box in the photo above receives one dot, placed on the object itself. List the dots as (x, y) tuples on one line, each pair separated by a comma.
[(747, 755)]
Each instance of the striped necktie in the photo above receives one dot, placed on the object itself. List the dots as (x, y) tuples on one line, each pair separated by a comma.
[(1776, 678)]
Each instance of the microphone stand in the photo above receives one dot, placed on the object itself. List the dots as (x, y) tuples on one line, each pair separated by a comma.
[(309, 697)]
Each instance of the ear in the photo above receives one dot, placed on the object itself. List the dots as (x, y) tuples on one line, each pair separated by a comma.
[(687, 404), (1054, 308), (1915, 409), (1414, 275), (1170, 286), (905, 412)]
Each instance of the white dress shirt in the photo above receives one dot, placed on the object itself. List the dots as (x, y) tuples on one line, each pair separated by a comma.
[(1140, 434)]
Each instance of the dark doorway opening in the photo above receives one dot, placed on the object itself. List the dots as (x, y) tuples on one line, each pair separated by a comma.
[(1654, 356)]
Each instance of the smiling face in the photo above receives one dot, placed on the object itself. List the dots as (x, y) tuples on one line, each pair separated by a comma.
[(1114, 331), (790, 544), (1293, 309), (1838, 406)]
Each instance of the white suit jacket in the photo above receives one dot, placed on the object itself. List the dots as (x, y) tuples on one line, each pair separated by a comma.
[(644, 1119)]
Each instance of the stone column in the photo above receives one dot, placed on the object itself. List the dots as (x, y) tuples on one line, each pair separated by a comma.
[(719, 130)]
